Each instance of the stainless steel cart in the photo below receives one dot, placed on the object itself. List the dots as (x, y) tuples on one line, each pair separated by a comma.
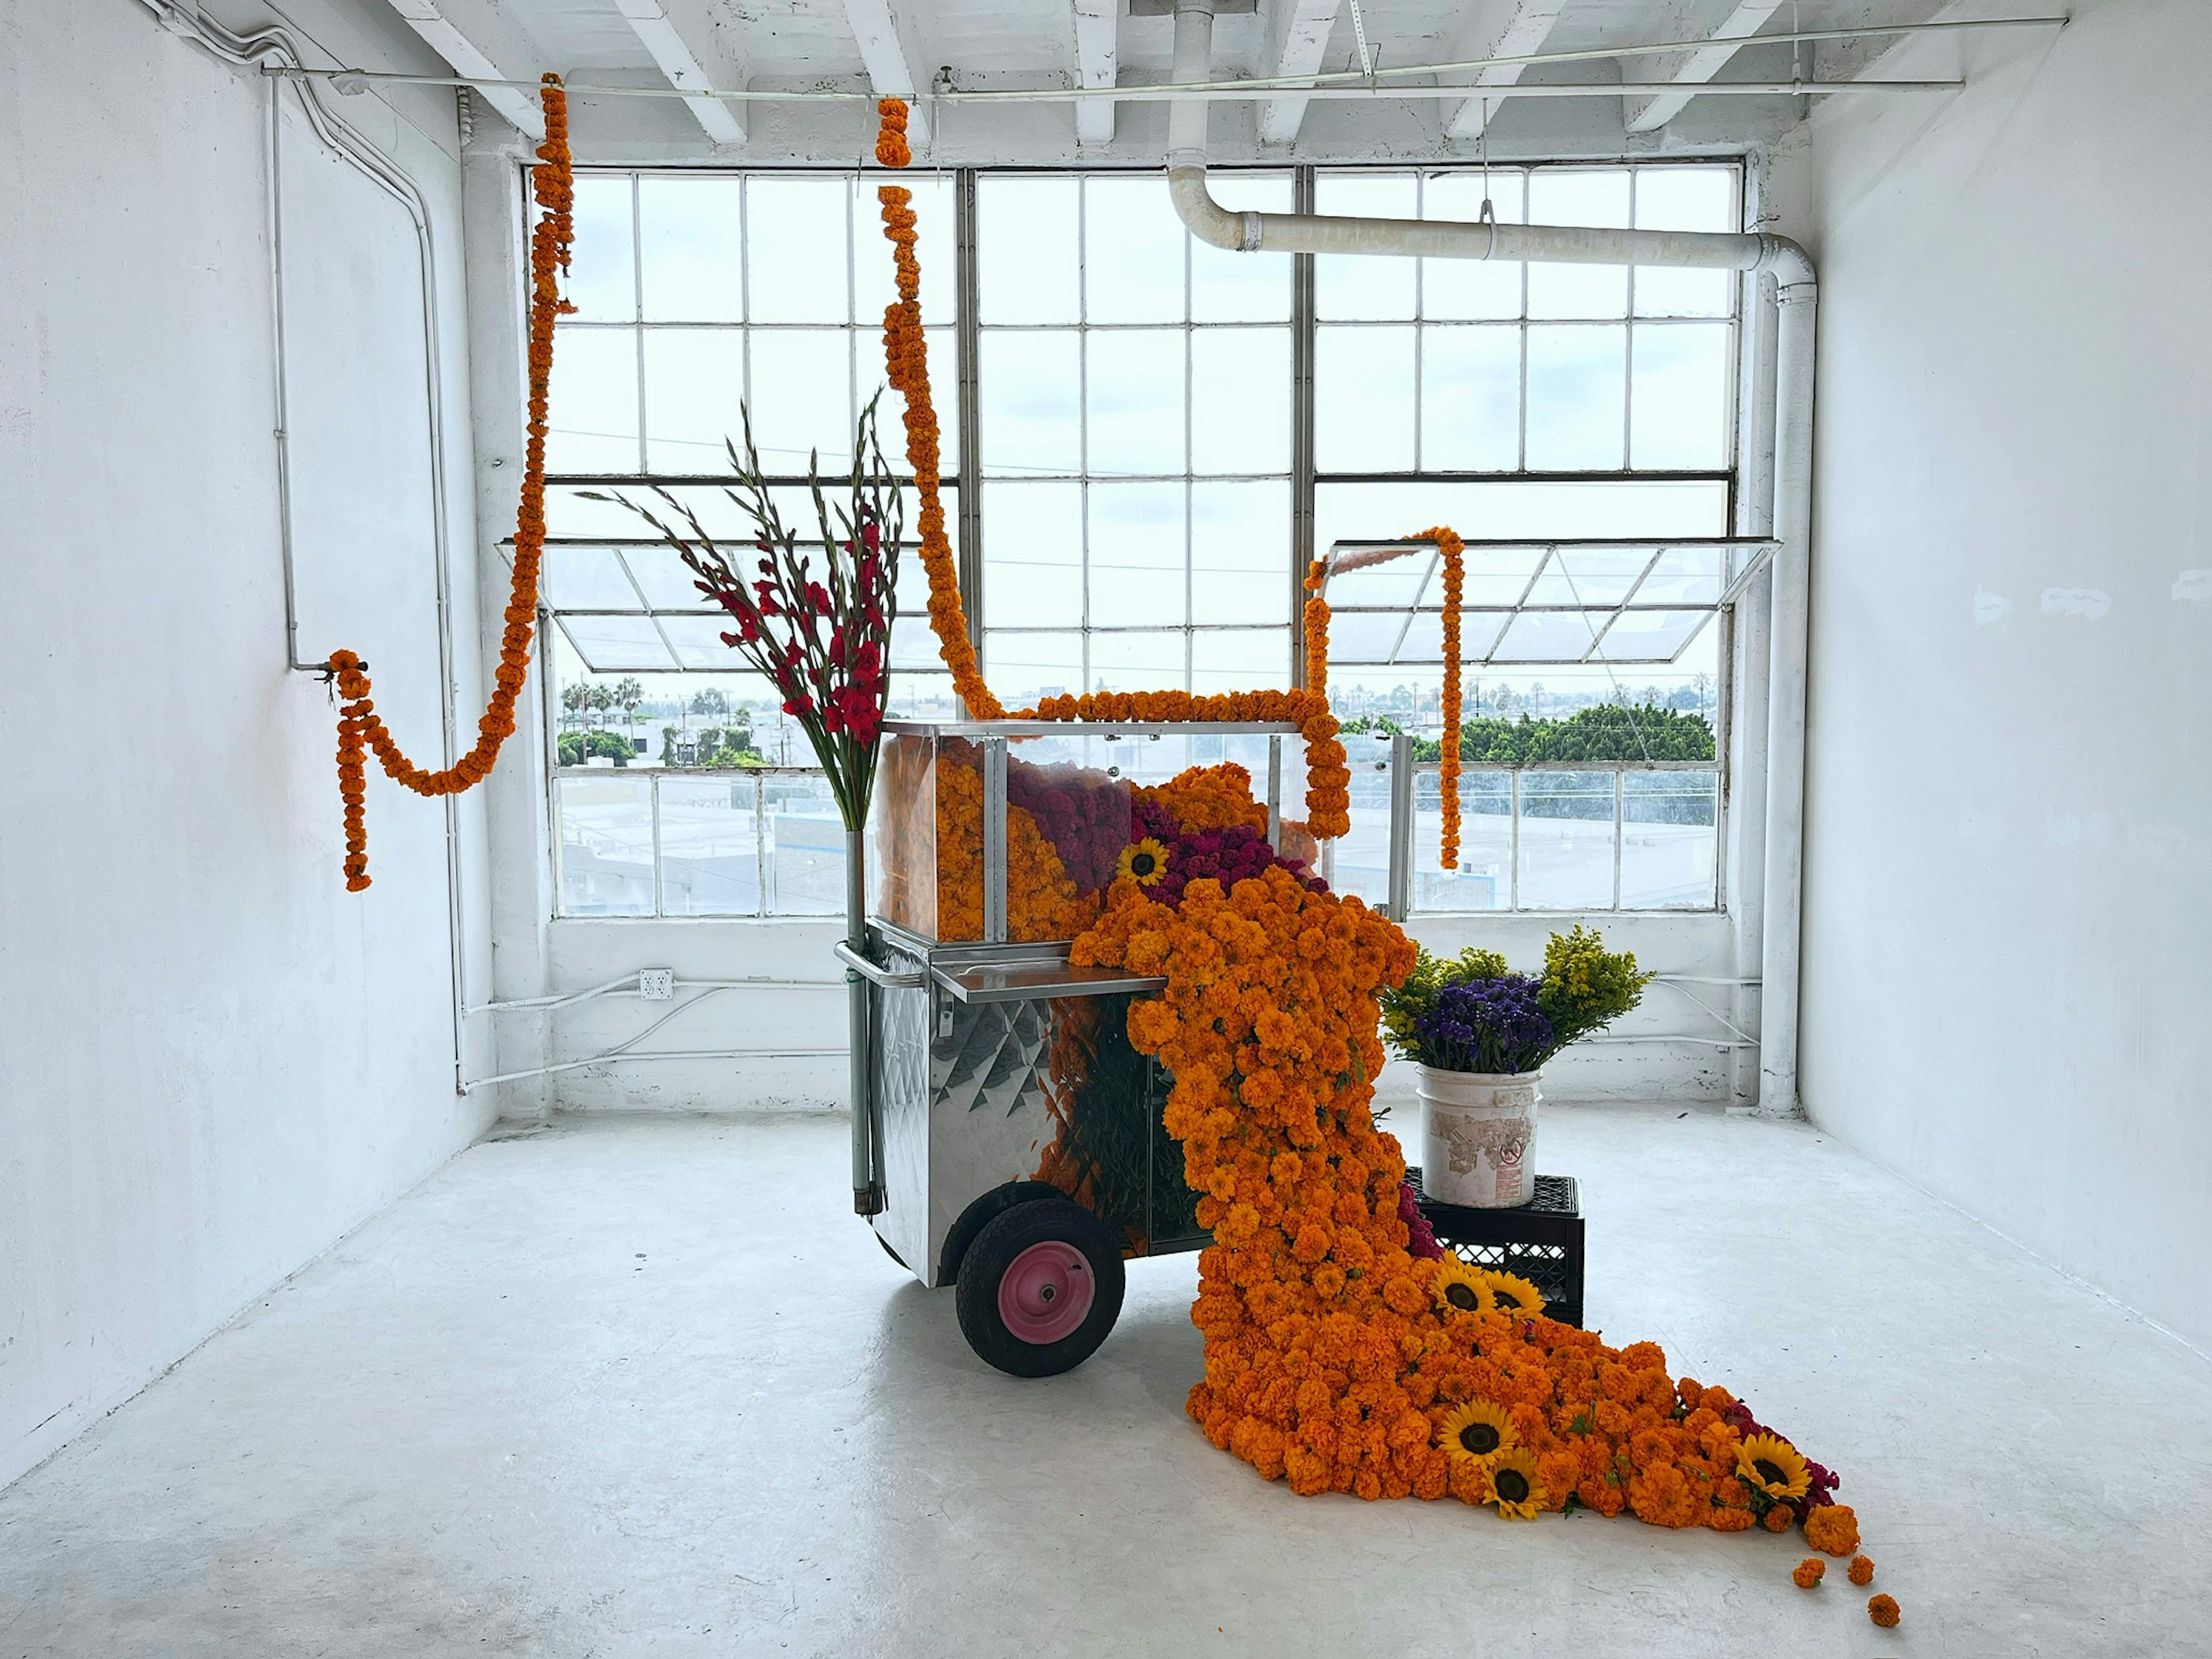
[(1007, 1140)]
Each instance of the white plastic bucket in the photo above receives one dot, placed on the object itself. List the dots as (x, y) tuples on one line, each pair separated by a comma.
[(1478, 1137)]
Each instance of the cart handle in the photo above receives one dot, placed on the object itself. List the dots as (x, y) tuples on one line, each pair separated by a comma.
[(881, 977)]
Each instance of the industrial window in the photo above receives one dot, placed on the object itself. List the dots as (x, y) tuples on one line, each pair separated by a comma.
[(1161, 434)]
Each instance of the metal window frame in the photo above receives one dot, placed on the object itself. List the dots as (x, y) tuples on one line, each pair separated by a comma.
[(1304, 479)]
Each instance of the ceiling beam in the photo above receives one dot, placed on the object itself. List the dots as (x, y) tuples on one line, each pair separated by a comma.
[(1297, 33), (1691, 69), (1498, 29), (892, 54), (477, 38), (685, 43), (1097, 50)]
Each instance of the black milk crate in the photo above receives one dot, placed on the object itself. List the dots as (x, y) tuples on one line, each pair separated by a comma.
[(1541, 1240)]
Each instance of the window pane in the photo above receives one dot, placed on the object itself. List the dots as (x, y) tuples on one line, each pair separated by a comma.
[(874, 283), (1135, 387), (602, 265), (1138, 662), (1240, 552), (1033, 553), (1686, 198), (1470, 287), (795, 247), (1133, 252), (1578, 380), (1363, 400), (1668, 840), (1136, 557), (606, 846), (592, 416), (1025, 667), (1471, 399), (665, 580), (1566, 841), (1240, 400), (1364, 285), (1242, 659), (1026, 250), (802, 397), (710, 847), (691, 248), (698, 643), (1228, 287), (1680, 407), (1540, 509), (805, 847), (1483, 879), (1029, 386), (1359, 861), (1570, 196), (612, 642), (694, 384), (587, 579)]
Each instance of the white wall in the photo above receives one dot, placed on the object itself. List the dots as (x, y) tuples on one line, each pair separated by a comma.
[(2009, 869), (216, 1060)]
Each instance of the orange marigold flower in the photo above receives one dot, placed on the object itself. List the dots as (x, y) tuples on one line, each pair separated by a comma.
[(1778, 1518), (1883, 1610), (1861, 1571), (1833, 1527), (1809, 1572)]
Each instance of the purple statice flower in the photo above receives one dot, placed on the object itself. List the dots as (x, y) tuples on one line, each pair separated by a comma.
[(1490, 1025)]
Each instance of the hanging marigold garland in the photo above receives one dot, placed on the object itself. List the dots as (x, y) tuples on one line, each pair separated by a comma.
[(1455, 551), (905, 357), (1316, 620), (553, 183)]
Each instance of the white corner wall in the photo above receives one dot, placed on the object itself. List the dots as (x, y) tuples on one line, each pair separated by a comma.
[(2007, 989), (217, 1060)]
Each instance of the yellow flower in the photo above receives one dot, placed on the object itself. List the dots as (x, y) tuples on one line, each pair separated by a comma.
[(1773, 1467), (1509, 1293), (1144, 863), (1459, 1288), (1513, 1485), (1477, 1432)]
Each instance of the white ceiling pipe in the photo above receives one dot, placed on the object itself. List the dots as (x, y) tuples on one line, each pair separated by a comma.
[(1796, 294)]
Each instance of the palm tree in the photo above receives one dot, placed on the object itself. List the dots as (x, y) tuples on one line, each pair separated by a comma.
[(600, 699), (575, 695), (628, 694)]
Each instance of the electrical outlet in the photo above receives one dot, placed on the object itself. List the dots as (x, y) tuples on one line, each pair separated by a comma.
[(656, 984)]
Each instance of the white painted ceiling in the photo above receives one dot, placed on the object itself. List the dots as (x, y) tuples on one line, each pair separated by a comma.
[(869, 45)]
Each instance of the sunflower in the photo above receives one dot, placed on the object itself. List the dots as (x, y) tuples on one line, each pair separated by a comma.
[(1459, 1288), (1771, 1465), (1513, 1486), (1477, 1432), (1509, 1293), (1144, 863)]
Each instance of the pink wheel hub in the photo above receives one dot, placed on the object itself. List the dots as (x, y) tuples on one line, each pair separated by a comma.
[(1046, 1292)]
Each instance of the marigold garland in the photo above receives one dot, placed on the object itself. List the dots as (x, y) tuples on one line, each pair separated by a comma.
[(906, 359), (1455, 551), (553, 185), (1316, 629), (1328, 780), (1334, 1359)]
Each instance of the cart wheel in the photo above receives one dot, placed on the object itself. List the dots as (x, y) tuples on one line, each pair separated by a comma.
[(1040, 1288), (888, 1251)]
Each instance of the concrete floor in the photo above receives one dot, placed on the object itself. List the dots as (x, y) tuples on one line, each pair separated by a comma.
[(636, 1384)]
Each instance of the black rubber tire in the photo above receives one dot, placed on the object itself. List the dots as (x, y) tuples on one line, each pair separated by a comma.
[(889, 1252), (1005, 1236)]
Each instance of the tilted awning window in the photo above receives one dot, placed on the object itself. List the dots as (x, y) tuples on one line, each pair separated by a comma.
[(1534, 604)]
